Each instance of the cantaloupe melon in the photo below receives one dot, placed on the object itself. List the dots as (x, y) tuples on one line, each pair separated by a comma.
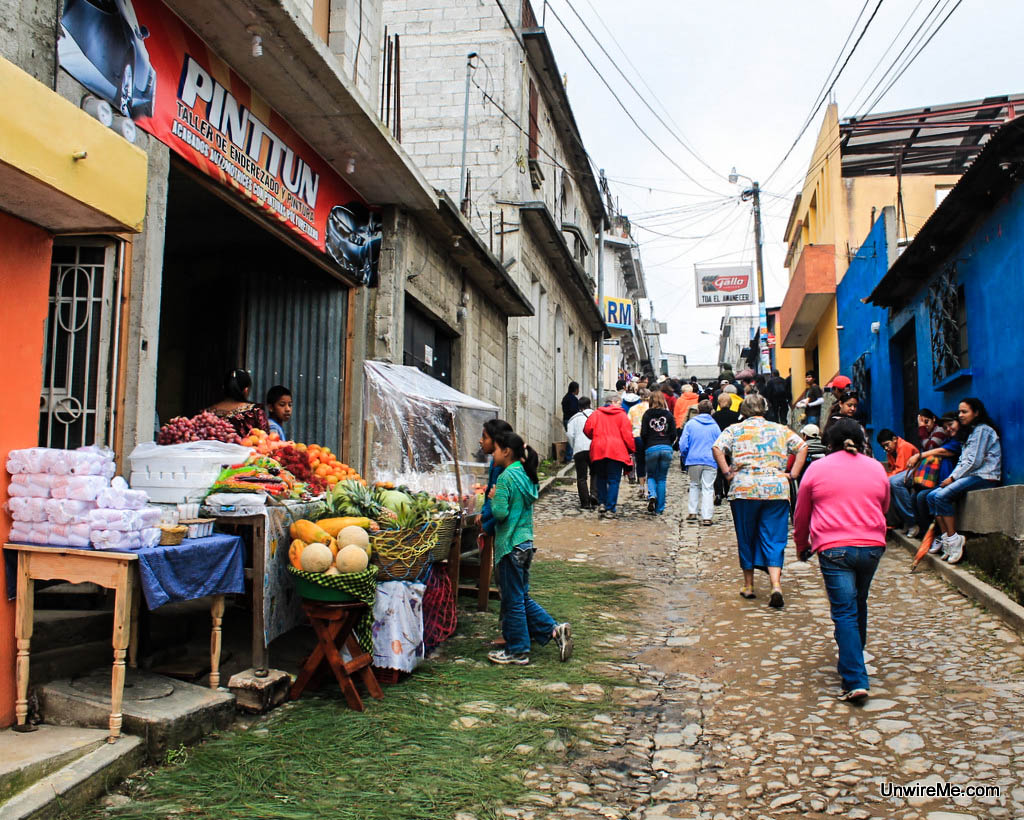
[(355, 535), (316, 558), (351, 558)]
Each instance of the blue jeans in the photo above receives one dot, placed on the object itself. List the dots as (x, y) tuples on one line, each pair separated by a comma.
[(639, 458), (902, 498), (524, 618), (658, 460), (847, 572), (942, 501), (607, 473)]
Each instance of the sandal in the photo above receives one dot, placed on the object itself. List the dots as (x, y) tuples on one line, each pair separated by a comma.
[(748, 593)]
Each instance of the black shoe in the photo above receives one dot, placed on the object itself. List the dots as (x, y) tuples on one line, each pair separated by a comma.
[(776, 601), (651, 504)]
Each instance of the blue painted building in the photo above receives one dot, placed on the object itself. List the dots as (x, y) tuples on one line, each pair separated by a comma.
[(948, 308)]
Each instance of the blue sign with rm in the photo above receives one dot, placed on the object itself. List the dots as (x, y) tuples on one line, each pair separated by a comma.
[(618, 312)]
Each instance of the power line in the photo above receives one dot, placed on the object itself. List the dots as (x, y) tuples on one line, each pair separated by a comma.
[(636, 91), (910, 62), (814, 111), (626, 110), (867, 79)]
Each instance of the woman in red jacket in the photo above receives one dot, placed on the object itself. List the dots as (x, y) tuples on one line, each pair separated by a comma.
[(611, 436)]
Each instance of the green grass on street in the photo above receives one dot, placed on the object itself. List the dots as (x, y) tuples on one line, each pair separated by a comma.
[(402, 757)]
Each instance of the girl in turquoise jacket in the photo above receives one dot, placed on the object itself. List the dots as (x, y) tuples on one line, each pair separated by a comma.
[(512, 502)]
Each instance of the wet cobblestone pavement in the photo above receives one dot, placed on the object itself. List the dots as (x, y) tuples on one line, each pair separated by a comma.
[(732, 712)]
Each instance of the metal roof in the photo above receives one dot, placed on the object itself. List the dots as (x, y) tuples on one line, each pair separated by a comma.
[(937, 139), (998, 170)]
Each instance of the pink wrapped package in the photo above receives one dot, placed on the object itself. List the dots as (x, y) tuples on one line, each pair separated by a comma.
[(79, 488), (122, 520), (68, 511), (118, 497), (150, 537), (28, 509), (30, 485)]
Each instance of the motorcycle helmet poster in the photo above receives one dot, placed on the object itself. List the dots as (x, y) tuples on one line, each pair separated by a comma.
[(151, 67)]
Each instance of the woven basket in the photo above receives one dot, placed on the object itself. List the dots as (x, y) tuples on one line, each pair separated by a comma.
[(402, 555), (445, 534), (172, 536)]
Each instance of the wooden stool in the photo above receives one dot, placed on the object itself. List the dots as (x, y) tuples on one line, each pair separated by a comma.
[(333, 624)]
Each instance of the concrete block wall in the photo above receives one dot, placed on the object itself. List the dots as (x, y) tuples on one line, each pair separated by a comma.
[(28, 37), (355, 37), (437, 283)]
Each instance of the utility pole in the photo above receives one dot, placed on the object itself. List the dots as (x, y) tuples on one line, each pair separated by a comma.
[(465, 134), (764, 356)]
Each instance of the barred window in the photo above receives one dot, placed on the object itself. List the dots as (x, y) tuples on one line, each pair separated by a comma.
[(860, 375), (948, 313)]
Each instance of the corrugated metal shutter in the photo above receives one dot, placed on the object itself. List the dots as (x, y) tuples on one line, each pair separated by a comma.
[(296, 337)]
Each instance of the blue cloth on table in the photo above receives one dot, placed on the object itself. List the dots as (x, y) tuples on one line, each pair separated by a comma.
[(194, 569)]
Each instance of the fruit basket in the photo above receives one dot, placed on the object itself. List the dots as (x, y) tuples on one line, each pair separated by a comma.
[(319, 586), (402, 554), (445, 533)]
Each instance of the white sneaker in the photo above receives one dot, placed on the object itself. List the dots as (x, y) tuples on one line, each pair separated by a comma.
[(938, 545), (955, 549), (943, 542), (913, 532)]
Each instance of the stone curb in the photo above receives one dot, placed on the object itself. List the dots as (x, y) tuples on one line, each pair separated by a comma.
[(547, 482), (994, 600)]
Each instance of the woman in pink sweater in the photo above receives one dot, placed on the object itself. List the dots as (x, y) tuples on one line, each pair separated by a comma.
[(840, 515)]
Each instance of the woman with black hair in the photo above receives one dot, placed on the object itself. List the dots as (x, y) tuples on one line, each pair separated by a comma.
[(845, 407), (235, 407), (840, 515), (512, 500), (980, 466)]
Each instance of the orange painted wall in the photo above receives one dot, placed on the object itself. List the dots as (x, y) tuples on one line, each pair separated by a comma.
[(24, 284)]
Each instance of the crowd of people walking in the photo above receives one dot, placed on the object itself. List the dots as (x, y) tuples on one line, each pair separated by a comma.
[(737, 440)]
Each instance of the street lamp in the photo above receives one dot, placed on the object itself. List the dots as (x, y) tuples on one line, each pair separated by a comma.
[(754, 193)]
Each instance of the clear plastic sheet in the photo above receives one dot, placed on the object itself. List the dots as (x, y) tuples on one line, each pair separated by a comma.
[(412, 416)]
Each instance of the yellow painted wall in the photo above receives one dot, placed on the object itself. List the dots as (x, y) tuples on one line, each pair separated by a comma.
[(41, 133)]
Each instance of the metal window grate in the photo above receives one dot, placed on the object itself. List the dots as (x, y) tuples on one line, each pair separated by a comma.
[(949, 346), (74, 405), (860, 375)]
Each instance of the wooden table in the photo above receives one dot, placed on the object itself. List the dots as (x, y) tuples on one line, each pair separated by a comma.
[(258, 527), (113, 570)]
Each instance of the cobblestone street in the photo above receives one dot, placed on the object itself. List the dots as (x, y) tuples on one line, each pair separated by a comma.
[(734, 713)]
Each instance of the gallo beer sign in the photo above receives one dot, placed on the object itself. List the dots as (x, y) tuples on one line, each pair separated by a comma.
[(721, 286), (151, 67)]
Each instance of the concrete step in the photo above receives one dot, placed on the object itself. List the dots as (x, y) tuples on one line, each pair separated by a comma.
[(165, 713), (56, 771)]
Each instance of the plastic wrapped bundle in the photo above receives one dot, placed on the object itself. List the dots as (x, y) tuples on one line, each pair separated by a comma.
[(150, 537), (68, 511), (28, 509), (149, 517), (69, 535), (118, 497), (122, 520), (115, 539), (30, 460), (79, 488), (29, 533), (31, 485)]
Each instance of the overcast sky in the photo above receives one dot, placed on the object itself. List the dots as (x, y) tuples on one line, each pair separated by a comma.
[(737, 79)]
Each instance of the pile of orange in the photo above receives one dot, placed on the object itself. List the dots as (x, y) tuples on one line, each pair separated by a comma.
[(262, 442), (327, 468)]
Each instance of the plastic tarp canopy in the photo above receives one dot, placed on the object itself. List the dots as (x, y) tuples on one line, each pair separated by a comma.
[(412, 416)]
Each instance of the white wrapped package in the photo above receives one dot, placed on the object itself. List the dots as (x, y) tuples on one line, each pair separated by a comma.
[(118, 497), (43, 479), (78, 487), (122, 520), (28, 509), (150, 537), (21, 533), (56, 535), (68, 511), (84, 461), (114, 539), (150, 517)]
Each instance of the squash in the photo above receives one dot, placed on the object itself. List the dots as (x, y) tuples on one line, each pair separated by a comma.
[(333, 547), (316, 557), (295, 552), (332, 526), (355, 535), (352, 558), (309, 532)]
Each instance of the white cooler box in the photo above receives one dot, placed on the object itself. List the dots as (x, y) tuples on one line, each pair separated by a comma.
[(176, 473)]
